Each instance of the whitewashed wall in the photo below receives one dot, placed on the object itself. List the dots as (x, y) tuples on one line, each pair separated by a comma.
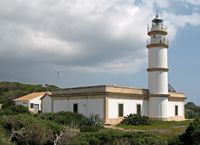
[(171, 108), (59, 105), (85, 106), (35, 101), (129, 107), (46, 104), (88, 106)]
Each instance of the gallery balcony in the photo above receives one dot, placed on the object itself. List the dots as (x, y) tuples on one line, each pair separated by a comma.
[(157, 29), (161, 42)]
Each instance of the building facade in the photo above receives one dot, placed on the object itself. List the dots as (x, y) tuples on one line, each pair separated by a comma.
[(32, 101), (112, 102)]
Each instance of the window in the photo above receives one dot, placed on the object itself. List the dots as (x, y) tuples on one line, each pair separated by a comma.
[(138, 109), (75, 108), (31, 105), (176, 110), (121, 110)]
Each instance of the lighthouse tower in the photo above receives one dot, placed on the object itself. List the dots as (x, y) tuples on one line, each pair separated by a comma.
[(158, 69)]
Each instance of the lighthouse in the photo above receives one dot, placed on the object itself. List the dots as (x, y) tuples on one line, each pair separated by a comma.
[(157, 46)]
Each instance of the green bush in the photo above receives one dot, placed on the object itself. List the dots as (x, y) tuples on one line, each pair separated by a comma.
[(14, 109), (66, 118), (113, 137), (134, 119), (25, 129), (4, 139), (192, 111), (191, 135), (174, 141), (7, 103), (89, 128)]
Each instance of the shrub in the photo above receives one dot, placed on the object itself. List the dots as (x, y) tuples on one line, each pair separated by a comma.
[(26, 129), (113, 137), (65, 137), (7, 103), (14, 109), (134, 119), (93, 120), (91, 124), (191, 135), (89, 128), (191, 110), (66, 118), (4, 139), (174, 141)]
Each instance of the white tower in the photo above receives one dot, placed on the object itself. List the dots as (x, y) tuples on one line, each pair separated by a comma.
[(158, 69)]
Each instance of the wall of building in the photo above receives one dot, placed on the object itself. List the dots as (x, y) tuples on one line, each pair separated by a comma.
[(35, 101), (46, 104), (85, 106), (129, 107), (88, 106), (60, 105), (181, 110)]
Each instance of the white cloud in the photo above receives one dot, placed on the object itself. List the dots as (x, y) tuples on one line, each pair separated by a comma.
[(76, 31), (181, 21), (92, 35), (192, 2)]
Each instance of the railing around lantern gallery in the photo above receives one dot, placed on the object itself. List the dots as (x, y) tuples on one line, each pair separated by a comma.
[(157, 28)]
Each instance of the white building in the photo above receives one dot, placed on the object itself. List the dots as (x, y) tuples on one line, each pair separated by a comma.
[(112, 102), (32, 101)]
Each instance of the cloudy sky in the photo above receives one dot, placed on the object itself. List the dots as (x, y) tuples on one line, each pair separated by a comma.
[(96, 42)]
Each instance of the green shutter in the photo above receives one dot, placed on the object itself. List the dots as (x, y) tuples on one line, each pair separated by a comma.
[(121, 110)]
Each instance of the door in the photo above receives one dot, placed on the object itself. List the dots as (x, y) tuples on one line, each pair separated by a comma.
[(36, 107)]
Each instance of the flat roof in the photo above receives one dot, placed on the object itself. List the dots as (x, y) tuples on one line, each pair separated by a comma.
[(100, 89), (106, 89)]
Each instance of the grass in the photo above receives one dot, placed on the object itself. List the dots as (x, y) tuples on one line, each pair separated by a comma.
[(165, 129)]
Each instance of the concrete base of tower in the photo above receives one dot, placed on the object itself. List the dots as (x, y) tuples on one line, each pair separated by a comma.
[(173, 118)]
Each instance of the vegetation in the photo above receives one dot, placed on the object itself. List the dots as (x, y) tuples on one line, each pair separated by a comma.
[(25, 129), (113, 137), (190, 137), (192, 111), (12, 90), (164, 129), (13, 109), (89, 128), (22, 128), (134, 119), (4, 138), (91, 124), (70, 119), (19, 127), (93, 120)]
